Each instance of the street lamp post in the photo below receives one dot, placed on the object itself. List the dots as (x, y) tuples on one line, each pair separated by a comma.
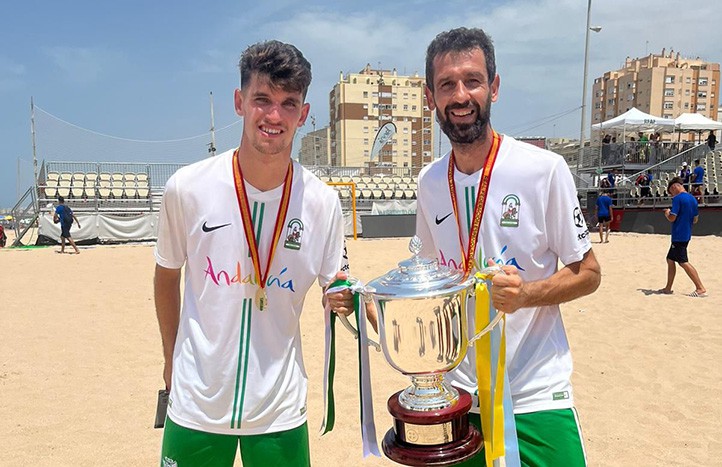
[(584, 84)]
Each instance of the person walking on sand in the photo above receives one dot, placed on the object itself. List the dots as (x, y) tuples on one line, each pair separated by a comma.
[(605, 212), (682, 215), (65, 216)]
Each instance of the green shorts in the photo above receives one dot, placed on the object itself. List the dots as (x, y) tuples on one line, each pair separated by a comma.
[(547, 438), (184, 447)]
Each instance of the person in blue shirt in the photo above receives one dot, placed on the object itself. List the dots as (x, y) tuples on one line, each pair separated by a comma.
[(65, 216), (605, 211), (682, 215), (697, 180)]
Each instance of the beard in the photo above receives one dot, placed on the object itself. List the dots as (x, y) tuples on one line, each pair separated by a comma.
[(465, 133)]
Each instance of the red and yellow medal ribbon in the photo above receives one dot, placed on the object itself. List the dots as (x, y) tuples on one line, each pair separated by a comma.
[(467, 257), (242, 196), (490, 390)]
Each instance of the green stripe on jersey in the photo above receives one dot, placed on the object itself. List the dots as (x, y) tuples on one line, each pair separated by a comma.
[(259, 225), (470, 198), (244, 342)]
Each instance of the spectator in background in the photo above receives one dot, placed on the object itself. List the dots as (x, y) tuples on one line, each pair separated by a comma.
[(683, 215), (711, 140), (697, 181), (3, 237), (605, 212), (644, 181), (65, 216), (684, 175)]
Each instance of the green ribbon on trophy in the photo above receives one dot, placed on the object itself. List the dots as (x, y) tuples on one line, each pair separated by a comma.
[(368, 427)]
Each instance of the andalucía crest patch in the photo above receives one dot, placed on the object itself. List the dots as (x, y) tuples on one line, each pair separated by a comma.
[(294, 233), (510, 211)]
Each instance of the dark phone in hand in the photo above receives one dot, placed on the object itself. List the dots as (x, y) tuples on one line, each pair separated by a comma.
[(162, 408)]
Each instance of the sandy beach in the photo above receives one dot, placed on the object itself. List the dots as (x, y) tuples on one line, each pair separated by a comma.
[(81, 358)]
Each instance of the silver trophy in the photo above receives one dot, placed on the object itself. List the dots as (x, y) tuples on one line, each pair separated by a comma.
[(422, 309)]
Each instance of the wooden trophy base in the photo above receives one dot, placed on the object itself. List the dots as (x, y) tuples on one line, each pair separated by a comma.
[(437, 438)]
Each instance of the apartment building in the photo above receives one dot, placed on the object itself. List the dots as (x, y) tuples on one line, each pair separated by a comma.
[(665, 85), (315, 147), (360, 103)]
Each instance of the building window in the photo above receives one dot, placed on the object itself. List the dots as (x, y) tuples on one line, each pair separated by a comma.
[(366, 141), (366, 129), (702, 94), (668, 105), (686, 92), (598, 105), (406, 130), (702, 82), (366, 106), (668, 92), (374, 94), (669, 79), (413, 108), (406, 95), (406, 107), (406, 164), (701, 106), (366, 152), (426, 119), (406, 142), (366, 94), (667, 116), (686, 105)]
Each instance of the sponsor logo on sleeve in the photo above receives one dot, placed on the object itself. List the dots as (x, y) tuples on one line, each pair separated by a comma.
[(580, 223)]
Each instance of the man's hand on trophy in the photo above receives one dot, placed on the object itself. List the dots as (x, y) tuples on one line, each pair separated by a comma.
[(507, 290), (340, 302)]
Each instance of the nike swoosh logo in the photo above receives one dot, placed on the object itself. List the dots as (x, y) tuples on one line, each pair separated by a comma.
[(439, 221), (211, 229)]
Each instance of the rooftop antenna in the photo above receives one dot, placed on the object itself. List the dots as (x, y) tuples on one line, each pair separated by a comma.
[(212, 144)]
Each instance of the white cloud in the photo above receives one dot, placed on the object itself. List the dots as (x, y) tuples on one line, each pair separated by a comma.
[(539, 45)]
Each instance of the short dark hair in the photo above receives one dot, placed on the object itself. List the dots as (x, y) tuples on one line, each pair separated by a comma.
[(61, 199), (673, 181), (460, 40), (283, 64), (696, 161)]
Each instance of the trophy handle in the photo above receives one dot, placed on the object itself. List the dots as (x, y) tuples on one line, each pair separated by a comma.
[(347, 325), (491, 271), (352, 330)]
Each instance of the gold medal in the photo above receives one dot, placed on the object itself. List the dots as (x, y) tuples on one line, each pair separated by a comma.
[(261, 276), (261, 299)]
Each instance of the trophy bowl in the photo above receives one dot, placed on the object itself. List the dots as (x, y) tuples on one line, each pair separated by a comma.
[(423, 334)]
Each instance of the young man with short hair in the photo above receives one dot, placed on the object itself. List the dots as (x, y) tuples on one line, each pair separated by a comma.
[(254, 230)]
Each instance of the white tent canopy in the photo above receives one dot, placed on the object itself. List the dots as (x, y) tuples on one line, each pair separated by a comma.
[(636, 120), (695, 122)]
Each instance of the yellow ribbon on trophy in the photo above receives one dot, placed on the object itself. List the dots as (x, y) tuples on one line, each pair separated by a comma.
[(491, 389)]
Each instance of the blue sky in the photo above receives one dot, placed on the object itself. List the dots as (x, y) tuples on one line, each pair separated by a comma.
[(143, 70)]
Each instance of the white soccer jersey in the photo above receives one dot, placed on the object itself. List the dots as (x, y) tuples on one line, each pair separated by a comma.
[(238, 370), (531, 220)]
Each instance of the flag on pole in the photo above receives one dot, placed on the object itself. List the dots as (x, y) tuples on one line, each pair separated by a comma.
[(383, 136)]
